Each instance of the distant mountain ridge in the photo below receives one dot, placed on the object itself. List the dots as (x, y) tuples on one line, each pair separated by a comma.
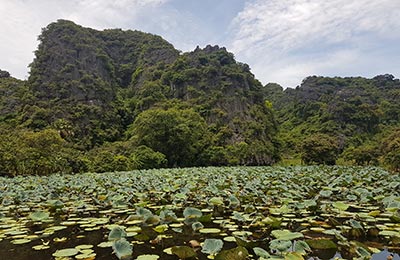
[(360, 113)]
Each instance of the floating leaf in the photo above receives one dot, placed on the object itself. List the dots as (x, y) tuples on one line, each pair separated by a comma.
[(302, 247), (20, 241), (273, 222), (105, 244), (216, 201), (362, 252), (197, 226), (340, 205), (212, 246), (233, 201), (161, 228), (230, 239), (280, 245), (116, 233), (325, 193), (321, 244), (261, 252), (147, 257), (286, 234), (389, 233), (66, 252), (41, 247), (39, 216), (294, 256), (82, 247), (183, 252), (122, 248), (190, 212), (86, 256), (210, 230), (238, 253)]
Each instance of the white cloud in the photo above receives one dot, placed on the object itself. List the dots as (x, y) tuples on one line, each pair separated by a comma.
[(287, 40)]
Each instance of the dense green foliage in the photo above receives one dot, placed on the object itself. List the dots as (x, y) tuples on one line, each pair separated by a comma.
[(123, 100), (358, 113), (320, 149), (179, 134)]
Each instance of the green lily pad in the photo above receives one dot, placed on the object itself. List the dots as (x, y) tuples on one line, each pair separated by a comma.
[(83, 247), (280, 245), (197, 226), (183, 252), (66, 252), (340, 205), (321, 244), (116, 233), (122, 248), (161, 228), (389, 233), (190, 212), (148, 257), (21, 241), (105, 244), (294, 256), (41, 247), (39, 216), (212, 246), (210, 230), (258, 251), (85, 256), (302, 247), (238, 253), (286, 234), (216, 201)]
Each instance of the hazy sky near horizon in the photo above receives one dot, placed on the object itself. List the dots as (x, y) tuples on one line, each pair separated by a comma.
[(283, 41)]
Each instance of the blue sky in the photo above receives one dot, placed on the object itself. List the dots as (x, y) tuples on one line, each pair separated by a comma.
[(283, 41)]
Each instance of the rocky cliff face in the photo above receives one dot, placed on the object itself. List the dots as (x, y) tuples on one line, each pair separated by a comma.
[(88, 65), (91, 86)]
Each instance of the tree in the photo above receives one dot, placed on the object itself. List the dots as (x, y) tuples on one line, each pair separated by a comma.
[(366, 154), (40, 153), (177, 133), (320, 149), (145, 158), (391, 150)]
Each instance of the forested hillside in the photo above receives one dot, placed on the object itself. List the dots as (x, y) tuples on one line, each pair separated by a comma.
[(354, 119), (120, 100)]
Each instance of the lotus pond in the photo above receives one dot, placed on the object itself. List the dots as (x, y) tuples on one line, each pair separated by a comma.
[(203, 213)]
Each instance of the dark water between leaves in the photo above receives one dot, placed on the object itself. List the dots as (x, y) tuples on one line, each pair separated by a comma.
[(76, 236)]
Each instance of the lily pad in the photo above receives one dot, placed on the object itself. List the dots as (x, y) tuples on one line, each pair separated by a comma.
[(190, 212), (340, 205), (238, 253), (116, 233), (148, 257), (210, 230), (183, 252), (286, 234), (122, 248), (321, 244), (66, 252), (39, 215), (212, 246), (280, 245), (261, 252)]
